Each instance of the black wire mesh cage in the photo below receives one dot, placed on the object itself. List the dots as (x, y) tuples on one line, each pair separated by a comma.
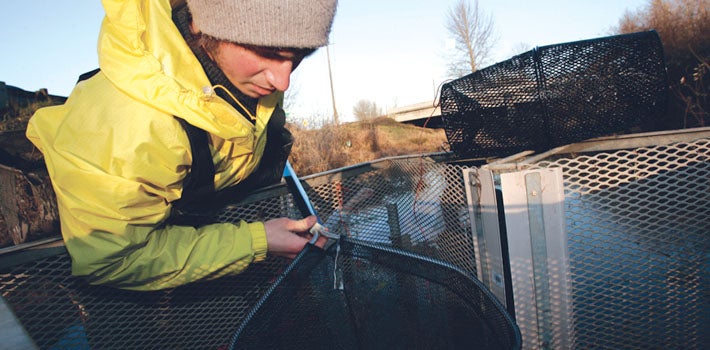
[(401, 277), (556, 95)]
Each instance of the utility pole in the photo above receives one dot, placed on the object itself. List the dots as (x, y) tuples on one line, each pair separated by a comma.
[(332, 90)]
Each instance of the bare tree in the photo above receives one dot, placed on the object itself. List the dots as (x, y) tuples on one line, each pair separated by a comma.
[(521, 47), (472, 31), (366, 110)]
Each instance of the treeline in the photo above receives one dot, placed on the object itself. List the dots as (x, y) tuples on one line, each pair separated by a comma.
[(684, 28)]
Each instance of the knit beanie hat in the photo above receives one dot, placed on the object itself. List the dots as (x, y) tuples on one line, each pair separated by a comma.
[(271, 23)]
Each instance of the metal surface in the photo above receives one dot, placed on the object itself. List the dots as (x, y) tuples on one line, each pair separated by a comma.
[(533, 209), (638, 222), (636, 225), (488, 241)]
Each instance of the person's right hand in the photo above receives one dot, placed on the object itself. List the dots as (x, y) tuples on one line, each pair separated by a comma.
[(286, 237)]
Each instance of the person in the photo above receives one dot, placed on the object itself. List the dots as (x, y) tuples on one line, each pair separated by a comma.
[(185, 108)]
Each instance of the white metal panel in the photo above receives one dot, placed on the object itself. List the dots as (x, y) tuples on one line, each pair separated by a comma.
[(483, 211), (534, 217)]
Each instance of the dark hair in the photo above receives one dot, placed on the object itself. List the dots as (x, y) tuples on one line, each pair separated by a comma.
[(201, 41), (211, 45)]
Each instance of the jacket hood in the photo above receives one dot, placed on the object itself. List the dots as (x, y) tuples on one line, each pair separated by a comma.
[(143, 54)]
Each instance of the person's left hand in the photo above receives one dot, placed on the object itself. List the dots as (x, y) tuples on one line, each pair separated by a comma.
[(287, 237)]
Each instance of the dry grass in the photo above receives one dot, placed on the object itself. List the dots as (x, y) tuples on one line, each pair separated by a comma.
[(330, 147), (335, 146), (14, 119)]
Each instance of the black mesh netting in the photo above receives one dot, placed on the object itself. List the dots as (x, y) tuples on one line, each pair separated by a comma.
[(389, 299), (556, 95)]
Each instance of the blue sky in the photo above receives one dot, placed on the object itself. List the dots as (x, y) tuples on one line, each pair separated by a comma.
[(387, 51)]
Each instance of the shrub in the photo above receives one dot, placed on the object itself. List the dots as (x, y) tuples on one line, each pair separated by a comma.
[(684, 28)]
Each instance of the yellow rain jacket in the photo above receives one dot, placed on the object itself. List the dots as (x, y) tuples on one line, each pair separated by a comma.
[(117, 157)]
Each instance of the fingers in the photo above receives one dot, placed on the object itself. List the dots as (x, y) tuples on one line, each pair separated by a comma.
[(302, 225), (283, 235), (320, 243)]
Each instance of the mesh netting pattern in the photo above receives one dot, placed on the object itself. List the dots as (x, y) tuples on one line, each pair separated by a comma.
[(556, 95), (62, 312), (391, 299), (637, 223), (412, 205)]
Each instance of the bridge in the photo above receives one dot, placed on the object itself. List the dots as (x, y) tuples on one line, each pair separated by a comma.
[(417, 114)]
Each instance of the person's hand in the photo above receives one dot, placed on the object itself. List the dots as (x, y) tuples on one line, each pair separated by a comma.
[(287, 237)]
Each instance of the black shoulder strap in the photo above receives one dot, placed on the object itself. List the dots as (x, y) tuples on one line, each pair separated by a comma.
[(200, 201), (88, 75), (199, 181)]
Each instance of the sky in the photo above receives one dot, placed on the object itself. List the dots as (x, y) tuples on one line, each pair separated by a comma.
[(391, 52)]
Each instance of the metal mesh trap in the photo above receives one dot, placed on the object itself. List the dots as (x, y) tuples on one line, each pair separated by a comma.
[(634, 229), (556, 95), (638, 222), (619, 259), (406, 261)]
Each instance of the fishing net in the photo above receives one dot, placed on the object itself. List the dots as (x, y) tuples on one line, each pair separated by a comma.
[(385, 299)]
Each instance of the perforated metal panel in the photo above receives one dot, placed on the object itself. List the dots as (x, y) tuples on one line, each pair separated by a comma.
[(427, 197), (637, 223)]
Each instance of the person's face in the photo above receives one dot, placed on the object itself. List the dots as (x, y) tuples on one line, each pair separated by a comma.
[(256, 71)]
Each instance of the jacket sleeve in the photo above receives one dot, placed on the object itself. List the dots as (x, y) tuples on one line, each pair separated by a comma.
[(141, 258), (114, 185), (109, 224)]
